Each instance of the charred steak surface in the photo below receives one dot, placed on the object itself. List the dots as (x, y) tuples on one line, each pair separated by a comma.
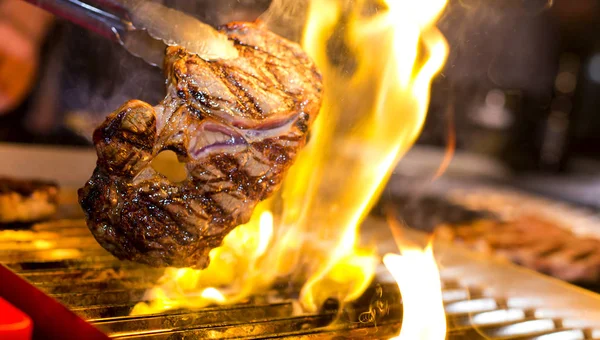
[(236, 124)]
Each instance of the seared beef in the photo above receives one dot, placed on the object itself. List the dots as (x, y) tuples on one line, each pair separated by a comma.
[(533, 242), (27, 200), (236, 124)]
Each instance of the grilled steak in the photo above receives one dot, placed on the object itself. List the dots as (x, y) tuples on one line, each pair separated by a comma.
[(27, 200), (236, 124), (533, 242)]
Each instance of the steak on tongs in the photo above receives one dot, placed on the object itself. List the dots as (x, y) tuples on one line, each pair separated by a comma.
[(237, 125)]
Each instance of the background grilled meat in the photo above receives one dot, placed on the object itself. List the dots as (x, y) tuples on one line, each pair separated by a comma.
[(534, 242), (237, 124), (27, 200)]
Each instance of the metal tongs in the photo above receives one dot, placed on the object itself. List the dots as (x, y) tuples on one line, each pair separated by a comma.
[(143, 28)]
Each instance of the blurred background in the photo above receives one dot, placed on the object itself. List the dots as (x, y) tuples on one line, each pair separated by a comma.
[(519, 91)]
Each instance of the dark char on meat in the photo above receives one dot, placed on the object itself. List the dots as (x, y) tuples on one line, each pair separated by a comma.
[(237, 125)]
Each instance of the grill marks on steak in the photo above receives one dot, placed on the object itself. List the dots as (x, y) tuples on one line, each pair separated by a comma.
[(236, 124)]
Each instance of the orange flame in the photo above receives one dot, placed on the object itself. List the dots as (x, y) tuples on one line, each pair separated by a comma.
[(450, 146), (235, 265)]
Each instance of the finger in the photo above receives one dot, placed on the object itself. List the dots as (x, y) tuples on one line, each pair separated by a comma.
[(16, 78), (18, 63), (14, 42), (29, 20), (5, 104)]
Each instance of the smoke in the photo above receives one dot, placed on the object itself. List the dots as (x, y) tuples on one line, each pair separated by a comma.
[(506, 45), (462, 16), (219, 12), (494, 43), (502, 43), (99, 76), (286, 18)]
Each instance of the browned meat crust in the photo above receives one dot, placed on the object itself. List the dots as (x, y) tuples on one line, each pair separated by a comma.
[(27, 200), (237, 124), (535, 243)]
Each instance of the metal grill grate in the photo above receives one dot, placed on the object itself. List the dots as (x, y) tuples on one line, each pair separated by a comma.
[(63, 259)]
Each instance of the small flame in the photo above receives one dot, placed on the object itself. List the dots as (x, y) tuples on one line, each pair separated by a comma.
[(450, 145), (235, 265), (213, 294), (423, 316), (417, 274)]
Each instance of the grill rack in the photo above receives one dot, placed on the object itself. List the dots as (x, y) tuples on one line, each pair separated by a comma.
[(62, 258)]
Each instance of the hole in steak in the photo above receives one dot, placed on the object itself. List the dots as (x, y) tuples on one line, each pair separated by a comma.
[(167, 164)]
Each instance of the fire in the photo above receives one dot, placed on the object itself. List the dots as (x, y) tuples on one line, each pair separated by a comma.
[(234, 265), (370, 117), (423, 316), (377, 61)]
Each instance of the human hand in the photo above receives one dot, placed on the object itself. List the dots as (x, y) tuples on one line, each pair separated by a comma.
[(22, 29)]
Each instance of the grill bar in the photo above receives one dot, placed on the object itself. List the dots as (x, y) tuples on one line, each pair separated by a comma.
[(207, 318), (253, 329), (88, 275), (73, 269)]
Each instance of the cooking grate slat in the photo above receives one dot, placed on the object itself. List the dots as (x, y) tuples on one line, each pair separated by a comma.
[(54, 255), (107, 297), (571, 334), (247, 329), (104, 290), (86, 275), (497, 316), (64, 263), (472, 306), (103, 311), (195, 319)]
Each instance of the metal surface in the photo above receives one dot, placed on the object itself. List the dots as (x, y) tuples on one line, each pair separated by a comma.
[(483, 298), (109, 21), (142, 27), (513, 286), (551, 237), (62, 259), (95, 15)]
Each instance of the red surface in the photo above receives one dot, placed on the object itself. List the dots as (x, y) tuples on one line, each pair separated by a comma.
[(51, 320), (14, 324)]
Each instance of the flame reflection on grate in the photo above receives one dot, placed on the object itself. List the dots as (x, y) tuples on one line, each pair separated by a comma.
[(103, 290)]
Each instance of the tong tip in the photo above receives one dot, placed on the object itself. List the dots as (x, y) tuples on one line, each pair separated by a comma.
[(173, 27)]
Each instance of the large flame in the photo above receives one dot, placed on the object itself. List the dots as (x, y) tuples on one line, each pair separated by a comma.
[(370, 117), (378, 61)]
